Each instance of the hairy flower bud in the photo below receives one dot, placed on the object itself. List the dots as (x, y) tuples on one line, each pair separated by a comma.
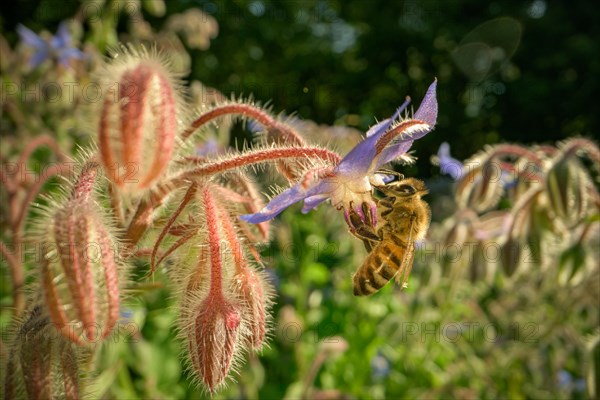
[(480, 262), (511, 253), (79, 272), (481, 188), (211, 319), (253, 294), (138, 122), (250, 286), (224, 300), (41, 364), (454, 257), (568, 188), (212, 340)]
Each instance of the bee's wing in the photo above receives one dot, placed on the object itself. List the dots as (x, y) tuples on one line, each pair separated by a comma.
[(407, 259), (407, 263)]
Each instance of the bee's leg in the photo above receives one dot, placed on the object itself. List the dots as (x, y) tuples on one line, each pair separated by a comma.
[(388, 204), (363, 229), (360, 229), (385, 171), (368, 237), (354, 220), (366, 233), (369, 245)]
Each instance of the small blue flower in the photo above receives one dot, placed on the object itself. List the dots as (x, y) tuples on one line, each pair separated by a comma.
[(566, 382), (209, 148), (349, 184), (57, 48), (380, 366), (448, 165)]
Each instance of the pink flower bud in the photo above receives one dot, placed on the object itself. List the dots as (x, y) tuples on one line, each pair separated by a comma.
[(79, 272), (211, 318), (249, 287), (212, 340), (138, 122), (40, 364), (253, 296), (224, 300)]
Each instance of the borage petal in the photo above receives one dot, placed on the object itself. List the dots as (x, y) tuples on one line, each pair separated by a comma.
[(428, 109), (313, 201), (38, 57), (30, 38), (401, 145), (283, 201), (449, 165), (359, 160), (62, 38), (66, 55), (415, 128)]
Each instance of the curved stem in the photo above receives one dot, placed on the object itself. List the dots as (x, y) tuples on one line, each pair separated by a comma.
[(17, 275), (115, 204), (186, 199), (512, 149), (390, 135), (37, 142), (5, 180), (523, 202), (231, 235), (249, 111), (584, 232), (30, 196), (522, 172), (584, 145), (142, 218), (143, 215), (258, 157)]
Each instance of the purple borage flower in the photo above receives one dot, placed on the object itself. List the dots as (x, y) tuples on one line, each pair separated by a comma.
[(456, 170), (449, 165), (58, 47), (349, 184)]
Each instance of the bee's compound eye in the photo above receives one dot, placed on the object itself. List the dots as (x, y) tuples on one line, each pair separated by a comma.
[(408, 189)]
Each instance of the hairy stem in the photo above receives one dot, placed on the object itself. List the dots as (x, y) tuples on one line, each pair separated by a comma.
[(258, 157), (214, 242), (143, 216), (17, 275), (186, 199), (37, 142), (512, 150), (32, 193), (246, 110), (585, 146)]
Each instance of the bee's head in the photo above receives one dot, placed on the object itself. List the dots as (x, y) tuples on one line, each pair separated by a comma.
[(406, 188)]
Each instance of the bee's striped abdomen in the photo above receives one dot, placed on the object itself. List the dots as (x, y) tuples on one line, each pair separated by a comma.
[(380, 266)]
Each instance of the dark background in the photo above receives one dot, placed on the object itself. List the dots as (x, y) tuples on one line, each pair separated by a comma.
[(521, 71)]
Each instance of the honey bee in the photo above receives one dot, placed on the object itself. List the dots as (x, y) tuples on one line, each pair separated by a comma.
[(392, 246)]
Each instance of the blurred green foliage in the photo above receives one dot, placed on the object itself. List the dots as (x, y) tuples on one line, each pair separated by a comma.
[(508, 71)]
